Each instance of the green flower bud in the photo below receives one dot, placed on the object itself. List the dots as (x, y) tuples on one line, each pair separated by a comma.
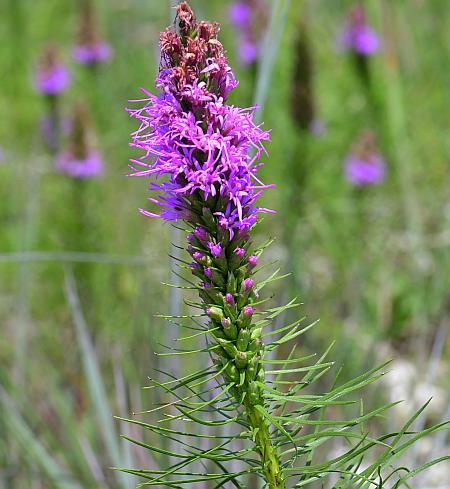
[(256, 333), (254, 394), (228, 346), (243, 339), (229, 328), (231, 283), (256, 345), (232, 372), (241, 359), (215, 313), (252, 368)]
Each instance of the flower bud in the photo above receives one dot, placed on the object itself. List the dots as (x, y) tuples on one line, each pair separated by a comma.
[(254, 394), (215, 313), (232, 372), (256, 345), (252, 368), (231, 283), (201, 234), (208, 272), (239, 252), (245, 318), (228, 346), (256, 333), (241, 360), (247, 285), (252, 261), (229, 328), (229, 299), (198, 256), (243, 339)]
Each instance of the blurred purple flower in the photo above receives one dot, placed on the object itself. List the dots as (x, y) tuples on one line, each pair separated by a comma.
[(364, 165), (89, 167), (369, 171), (357, 36), (89, 54), (51, 76), (240, 14), (90, 49), (245, 15), (248, 52), (80, 159)]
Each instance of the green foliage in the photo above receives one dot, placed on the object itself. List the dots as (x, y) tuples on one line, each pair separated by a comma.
[(218, 438)]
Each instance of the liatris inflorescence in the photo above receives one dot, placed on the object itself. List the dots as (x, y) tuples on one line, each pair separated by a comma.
[(51, 78), (203, 144), (247, 17), (80, 159), (357, 35), (359, 39), (90, 49), (201, 156), (364, 165)]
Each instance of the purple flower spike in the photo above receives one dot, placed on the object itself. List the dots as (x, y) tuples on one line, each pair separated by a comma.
[(248, 18), (90, 49), (51, 77), (80, 159), (357, 36), (252, 261), (362, 172), (364, 165), (89, 167), (248, 52), (90, 54), (240, 14), (216, 249)]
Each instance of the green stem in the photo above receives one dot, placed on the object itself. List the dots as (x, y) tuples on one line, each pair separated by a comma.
[(267, 452)]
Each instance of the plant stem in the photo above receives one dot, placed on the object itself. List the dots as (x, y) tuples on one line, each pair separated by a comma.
[(267, 452)]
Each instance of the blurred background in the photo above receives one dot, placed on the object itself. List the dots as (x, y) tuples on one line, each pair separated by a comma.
[(356, 96)]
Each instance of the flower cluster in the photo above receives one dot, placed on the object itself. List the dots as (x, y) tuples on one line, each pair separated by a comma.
[(244, 15), (358, 36), (364, 165), (191, 135), (51, 77)]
